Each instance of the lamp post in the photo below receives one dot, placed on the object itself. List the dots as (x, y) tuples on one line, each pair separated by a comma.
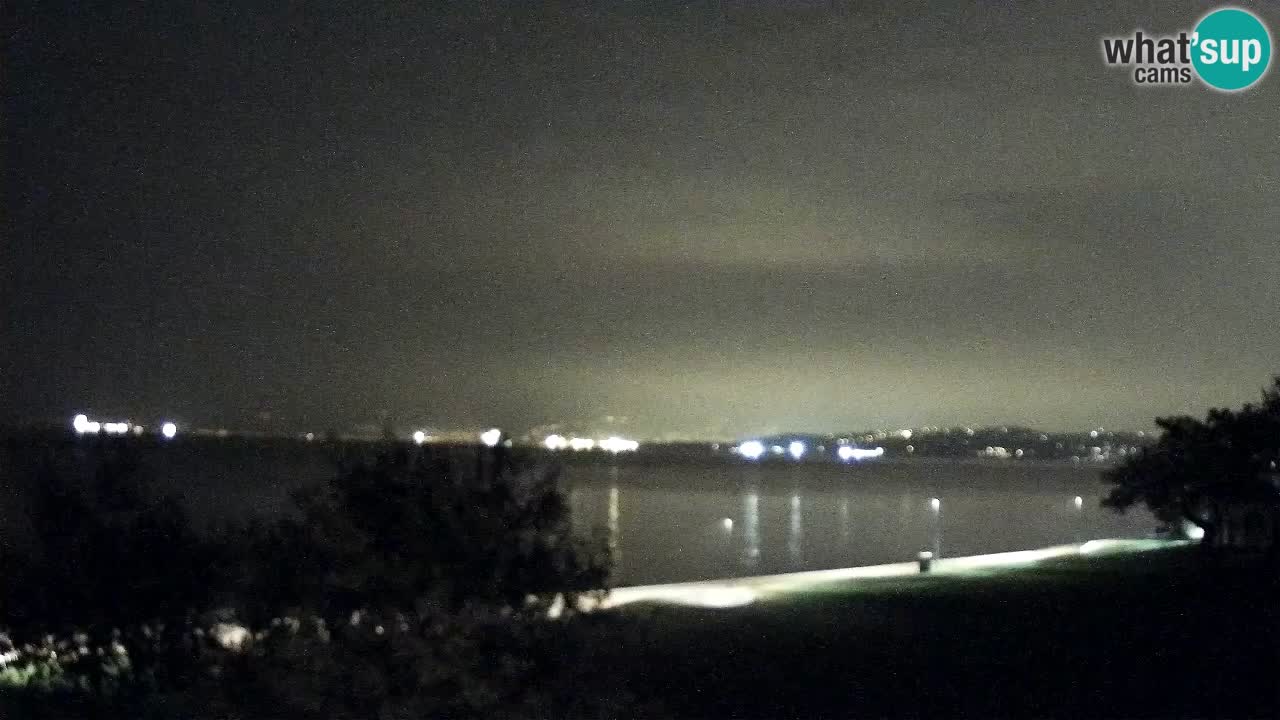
[(935, 522)]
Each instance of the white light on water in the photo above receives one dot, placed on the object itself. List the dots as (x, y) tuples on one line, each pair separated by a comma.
[(796, 449), (169, 430), (491, 437), (751, 449)]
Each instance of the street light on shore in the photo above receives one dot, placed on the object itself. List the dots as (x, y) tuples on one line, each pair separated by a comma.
[(935, 521)]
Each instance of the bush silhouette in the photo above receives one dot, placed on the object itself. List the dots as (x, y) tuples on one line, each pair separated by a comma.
[(419, 584), (1198, 465)]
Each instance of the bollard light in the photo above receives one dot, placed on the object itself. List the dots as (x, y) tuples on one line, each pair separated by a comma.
[(925, 559)]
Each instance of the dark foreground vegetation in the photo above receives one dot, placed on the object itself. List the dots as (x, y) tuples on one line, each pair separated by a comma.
[(1220, 474), (414, 586)]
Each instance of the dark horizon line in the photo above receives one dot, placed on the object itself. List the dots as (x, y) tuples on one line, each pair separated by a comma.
[(404, 433)]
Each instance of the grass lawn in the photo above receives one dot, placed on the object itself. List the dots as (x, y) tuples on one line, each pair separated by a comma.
[(1159, 633), (1171, 632)]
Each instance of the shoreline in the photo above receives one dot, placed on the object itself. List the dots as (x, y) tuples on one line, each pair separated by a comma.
[(736, 592)]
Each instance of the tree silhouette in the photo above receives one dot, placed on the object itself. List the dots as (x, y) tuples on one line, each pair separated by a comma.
[(416, 585), (417, 527), (108, 550), (1197, 466)]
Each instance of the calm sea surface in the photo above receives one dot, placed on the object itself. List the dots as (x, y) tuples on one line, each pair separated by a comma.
[(670, 520), (699, 522)]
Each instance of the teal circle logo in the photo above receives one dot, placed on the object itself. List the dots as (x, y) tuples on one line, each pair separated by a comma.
[(1231, 49)]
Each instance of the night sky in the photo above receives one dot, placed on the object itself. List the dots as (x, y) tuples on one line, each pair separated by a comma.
[(716, 219)]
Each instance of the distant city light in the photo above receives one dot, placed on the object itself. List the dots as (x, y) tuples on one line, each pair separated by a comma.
[(555, 442), (1001, 453), (82, 425), (1079, 502), (491, 437), (1195, 532), (906, 434), (169, 430), (616, 444), (577, 443), (727, 523), (848, 452), (776, 449), (935, 504), (796, 449), (751, 449), (419, 437)]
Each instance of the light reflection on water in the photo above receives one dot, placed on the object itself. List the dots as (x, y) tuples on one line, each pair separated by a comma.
[(750, 529), (669, 524), (795, 534), (615, 544)]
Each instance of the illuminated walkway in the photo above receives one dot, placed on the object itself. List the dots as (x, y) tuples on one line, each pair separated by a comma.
[(733, 592)]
